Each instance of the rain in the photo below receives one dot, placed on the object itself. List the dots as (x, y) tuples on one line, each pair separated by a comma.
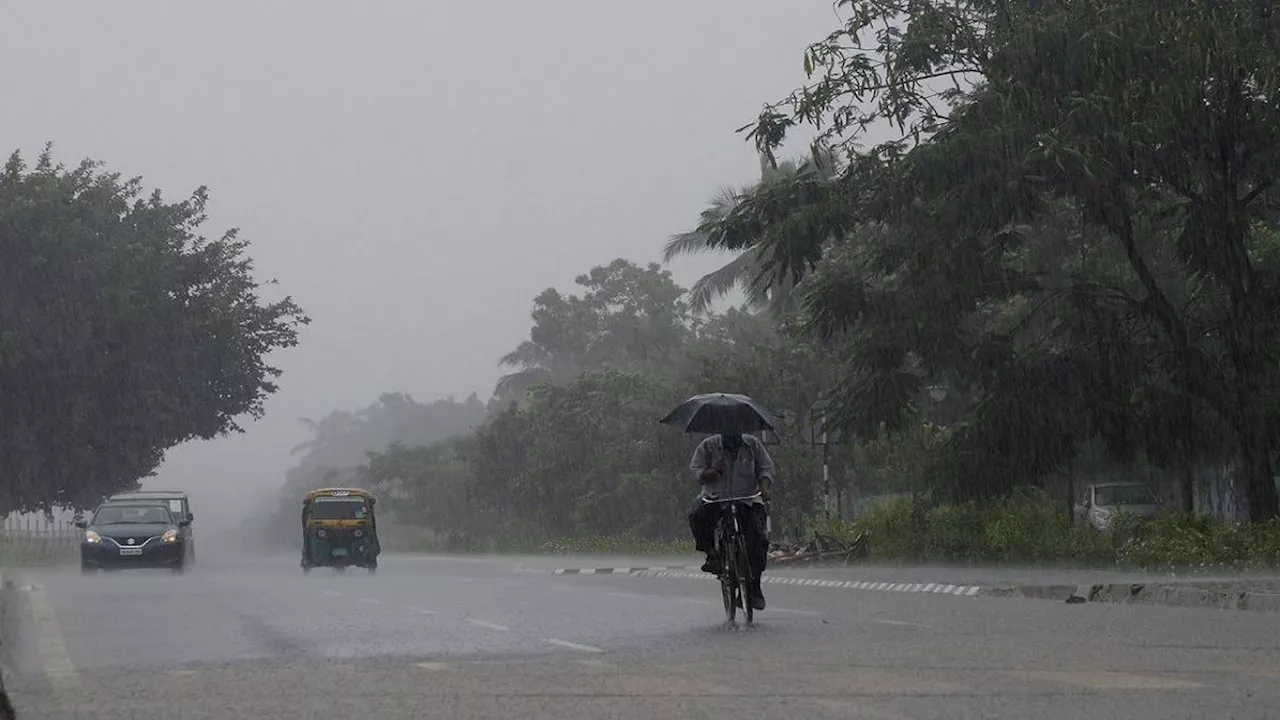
[(754, 359)]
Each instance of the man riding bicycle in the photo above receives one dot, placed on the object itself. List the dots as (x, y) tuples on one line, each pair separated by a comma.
[(733, 465)]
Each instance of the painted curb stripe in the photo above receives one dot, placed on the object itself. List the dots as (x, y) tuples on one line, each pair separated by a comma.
[(610, 571), (929, 588)]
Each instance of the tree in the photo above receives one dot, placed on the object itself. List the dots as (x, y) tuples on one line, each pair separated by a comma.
[(1140, 134), (344, 440), (596, 461), (795, 198), (627, 318), (123, 332)]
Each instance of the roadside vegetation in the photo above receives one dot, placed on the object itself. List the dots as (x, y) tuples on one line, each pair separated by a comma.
[(1063, 265), (1030, 529)]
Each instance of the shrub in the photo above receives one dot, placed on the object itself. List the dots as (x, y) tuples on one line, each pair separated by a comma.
[(1030, 527)]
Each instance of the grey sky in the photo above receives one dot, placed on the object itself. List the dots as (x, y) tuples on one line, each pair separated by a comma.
[(412, 172)]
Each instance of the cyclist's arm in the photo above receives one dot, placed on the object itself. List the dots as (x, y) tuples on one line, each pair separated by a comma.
[(700, 465), (764, 466)]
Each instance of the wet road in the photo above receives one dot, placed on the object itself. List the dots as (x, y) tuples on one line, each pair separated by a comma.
[(466, 638)]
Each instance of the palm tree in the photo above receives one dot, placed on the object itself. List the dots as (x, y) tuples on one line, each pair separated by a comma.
[(532, 364), (753, 222)]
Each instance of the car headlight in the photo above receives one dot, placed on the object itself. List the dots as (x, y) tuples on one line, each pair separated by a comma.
[(321, 534), (92, 537), (358, 533), (170, 536)]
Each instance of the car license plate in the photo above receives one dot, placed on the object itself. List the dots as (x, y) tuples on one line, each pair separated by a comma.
[(339, 552), (130, 551)]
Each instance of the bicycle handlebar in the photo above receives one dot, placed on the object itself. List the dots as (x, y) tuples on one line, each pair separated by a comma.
[(713, 499)]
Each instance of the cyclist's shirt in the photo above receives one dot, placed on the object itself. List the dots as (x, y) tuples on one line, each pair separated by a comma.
[(751, 464)]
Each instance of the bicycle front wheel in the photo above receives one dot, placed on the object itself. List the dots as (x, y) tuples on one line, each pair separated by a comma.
[(728, 583), (742, 570)]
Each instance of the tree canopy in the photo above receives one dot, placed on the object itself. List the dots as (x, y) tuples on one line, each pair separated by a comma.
[(123, 332), (1070, 243), (1070, 233), (628, 318)]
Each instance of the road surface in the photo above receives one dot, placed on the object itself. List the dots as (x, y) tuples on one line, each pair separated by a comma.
[(446, 637)]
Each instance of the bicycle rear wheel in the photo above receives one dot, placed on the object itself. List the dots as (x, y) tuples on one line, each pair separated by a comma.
[(728, 583), (742, 570)]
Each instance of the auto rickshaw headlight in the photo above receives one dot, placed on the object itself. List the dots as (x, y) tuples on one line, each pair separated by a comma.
[(321, 534), (169, 536), (358, 533)]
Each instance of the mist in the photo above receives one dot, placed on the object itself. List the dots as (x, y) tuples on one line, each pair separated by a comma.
[(413, 174)]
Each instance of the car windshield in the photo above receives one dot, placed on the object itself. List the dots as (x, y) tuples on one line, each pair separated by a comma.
[(132, 515), (338, 509), (1124, 495)]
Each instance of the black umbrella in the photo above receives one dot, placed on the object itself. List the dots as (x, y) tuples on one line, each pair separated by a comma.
[(721, 413)]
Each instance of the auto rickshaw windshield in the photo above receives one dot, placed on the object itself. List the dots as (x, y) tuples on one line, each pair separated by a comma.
[(346, 508)]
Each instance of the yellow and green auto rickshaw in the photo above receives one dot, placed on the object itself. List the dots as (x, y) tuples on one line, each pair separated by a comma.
[(339, 529)]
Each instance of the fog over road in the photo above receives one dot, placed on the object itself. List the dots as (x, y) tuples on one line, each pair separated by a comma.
[(475, 638)]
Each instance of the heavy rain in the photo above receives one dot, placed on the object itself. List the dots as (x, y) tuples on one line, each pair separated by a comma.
[(878, 359)]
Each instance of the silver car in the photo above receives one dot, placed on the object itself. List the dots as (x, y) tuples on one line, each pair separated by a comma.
[(1099, 503)]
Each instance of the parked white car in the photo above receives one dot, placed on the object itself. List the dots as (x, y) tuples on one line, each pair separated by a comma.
[(1099, 503)]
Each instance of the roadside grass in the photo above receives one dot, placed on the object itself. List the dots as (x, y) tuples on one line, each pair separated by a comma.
[(1032, 529)]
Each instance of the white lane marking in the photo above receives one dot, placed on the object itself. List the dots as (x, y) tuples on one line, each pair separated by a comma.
[(331, 593), (419, 610), (432, 665), (899, 623), (487, 624), (370, 601), (573, 645)]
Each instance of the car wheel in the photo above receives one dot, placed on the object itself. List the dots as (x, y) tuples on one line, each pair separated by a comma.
[(86, 569)]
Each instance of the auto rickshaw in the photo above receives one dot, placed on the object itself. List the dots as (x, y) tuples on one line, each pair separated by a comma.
[(339, 530)]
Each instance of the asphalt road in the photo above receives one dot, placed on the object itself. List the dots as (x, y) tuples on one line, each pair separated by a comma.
[(444, 637)]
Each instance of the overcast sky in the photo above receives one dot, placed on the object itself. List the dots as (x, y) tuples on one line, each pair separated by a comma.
[(412, 172)]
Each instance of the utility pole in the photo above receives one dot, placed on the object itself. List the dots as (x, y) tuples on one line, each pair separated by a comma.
[(820, 434)]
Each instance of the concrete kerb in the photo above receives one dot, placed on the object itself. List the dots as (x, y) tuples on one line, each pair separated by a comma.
[(1179, 595)]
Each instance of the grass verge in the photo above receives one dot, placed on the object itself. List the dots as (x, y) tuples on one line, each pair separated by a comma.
[(1030, 528)]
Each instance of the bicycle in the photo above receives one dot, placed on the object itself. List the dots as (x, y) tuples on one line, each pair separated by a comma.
[(736, 586)]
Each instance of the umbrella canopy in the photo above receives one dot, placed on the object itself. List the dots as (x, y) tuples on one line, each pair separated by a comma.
[(721, 413)]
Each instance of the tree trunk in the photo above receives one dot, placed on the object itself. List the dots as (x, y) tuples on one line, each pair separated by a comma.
[(1071, 491), (1189, 489), (1255, 472)]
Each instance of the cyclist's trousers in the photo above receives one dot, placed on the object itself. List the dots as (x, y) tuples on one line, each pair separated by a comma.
[(702, 521)]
